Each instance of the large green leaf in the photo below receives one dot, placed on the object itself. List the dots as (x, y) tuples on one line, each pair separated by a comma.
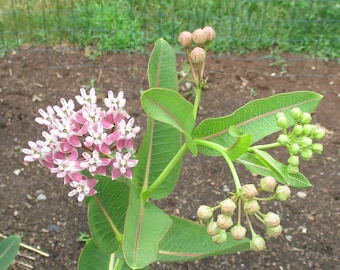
[(256, 117), (145, 227), (161, 141), (93, 258), (113, 196), (9, 248), (255, 166), (169, 107), (187, 241)]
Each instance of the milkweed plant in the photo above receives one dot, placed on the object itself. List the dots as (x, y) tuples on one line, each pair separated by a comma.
[(89, 145)]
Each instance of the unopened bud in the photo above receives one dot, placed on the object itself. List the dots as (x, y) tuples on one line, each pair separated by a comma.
[(305, 118), (292, 169), (283, 139), (220, 238), (282, 192), (294, 148), (227, 206), (224, 221), (297, 130), (197, 55), (271, 220), (257, 243), (268, 184), (318, 133), (274, 231), (251, 207), (293, 160), (205, 212), (185, 38), (213, 229), (238, 232), (248, 191), (306, 142), (308, 129), (317, 148), (296, 113), (282, 121), (209, 33), (199, 36), (306, 154)]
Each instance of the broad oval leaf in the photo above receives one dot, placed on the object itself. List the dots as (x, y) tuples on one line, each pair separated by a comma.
[(9, 248), (113, 196), (161, 141), (168, 106), (255, 166), (145, 226), (188, 241), (256, 117)]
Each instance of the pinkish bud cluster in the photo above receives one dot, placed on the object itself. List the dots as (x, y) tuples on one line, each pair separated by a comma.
[(91, 138)]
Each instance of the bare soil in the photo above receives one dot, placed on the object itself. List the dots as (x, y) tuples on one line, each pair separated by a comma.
[(30, 80)]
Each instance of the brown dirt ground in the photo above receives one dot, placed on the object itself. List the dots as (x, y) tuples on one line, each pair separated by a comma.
[(30, 80)]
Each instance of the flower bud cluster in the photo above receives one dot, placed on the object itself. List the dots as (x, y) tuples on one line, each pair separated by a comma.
[(196, 45), (246, 201), (91, 138), (300, 140)]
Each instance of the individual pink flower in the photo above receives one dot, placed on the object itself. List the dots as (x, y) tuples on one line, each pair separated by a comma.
[(87, 99), (46, 117), (99, 139), (116, 105), (127, 133), (94, 163), (66, 109), (122, 165), (82, 188)]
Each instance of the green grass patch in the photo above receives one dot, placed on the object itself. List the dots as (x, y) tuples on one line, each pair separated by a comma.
[(304, 26)]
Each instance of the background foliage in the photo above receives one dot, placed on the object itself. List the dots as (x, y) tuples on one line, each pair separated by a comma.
[(305, 26)]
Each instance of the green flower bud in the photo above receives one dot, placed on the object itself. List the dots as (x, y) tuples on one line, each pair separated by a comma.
[(213, 229), (271, 220), (185, 39), (268, 184), (199, 36), (251, 207), (280, 114), (293, 160), (296, 113), (317, 148), (238, 232), (298, 130), (306, 142), (292, 169), (197, 55), (227, 206), (305, 118), (257, 243), (224, 221), (306, 154), (294, 148), (205, 212), (274, 231), (248, 191), (220, 238), (282, 122), (318, 133), (282, 192), (283, 139), (308, 129)]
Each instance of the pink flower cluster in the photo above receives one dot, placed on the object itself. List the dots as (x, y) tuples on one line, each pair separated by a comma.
[(93, 139)]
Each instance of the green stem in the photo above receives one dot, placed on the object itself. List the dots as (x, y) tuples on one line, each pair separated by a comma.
[(198, 93), (160, 179), (264, 146), (119, 236), (223, 152), (119, 264)]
